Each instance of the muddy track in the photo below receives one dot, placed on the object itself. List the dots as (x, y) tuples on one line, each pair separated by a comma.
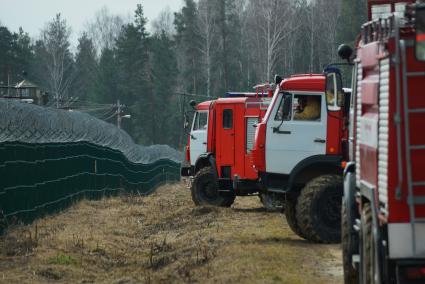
[(164, 238)]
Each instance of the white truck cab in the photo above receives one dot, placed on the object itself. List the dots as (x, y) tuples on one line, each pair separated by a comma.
[(198, 135)]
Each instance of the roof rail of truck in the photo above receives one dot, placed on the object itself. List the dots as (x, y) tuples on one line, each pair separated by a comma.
[(242, 95), (265, 90), (378, 30)]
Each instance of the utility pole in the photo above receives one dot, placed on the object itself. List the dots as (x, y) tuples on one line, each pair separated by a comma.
[(120, 115), (8, 84), (119, 118)]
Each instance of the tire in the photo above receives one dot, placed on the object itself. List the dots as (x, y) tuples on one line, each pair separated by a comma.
[(204, 190), (367, 260), (290, 213), (318, 209), (272, 202), (348, 247)]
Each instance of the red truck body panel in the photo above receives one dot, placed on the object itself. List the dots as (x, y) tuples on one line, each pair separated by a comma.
[(376, 139), (229, 145)]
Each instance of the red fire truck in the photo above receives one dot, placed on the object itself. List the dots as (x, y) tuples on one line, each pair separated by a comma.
[(218, 153), (383, 209), (298, 150)]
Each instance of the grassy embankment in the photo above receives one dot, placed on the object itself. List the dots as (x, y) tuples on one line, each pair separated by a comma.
[(164, 238)]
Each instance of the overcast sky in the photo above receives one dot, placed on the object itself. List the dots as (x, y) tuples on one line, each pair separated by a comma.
[(32, 15)]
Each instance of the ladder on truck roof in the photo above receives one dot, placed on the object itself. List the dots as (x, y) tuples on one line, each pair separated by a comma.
[(413, 198)]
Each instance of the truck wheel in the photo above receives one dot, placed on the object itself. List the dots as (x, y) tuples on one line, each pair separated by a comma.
[(290, 213), (319, 209), (272, 202), (350, 274), (204, 190), (368, 248)]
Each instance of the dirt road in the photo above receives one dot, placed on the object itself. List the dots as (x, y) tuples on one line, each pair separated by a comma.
[(164, 238)]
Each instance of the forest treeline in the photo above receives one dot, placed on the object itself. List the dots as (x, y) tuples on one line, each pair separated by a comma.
[(207, 48)]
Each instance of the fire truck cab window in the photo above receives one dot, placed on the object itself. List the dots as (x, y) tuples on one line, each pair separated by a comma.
[(284, 111), (307, 107), (201, 121), (227, 119)]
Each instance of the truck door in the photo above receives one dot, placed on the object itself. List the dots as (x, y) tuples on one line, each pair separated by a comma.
[(198, 136), (295, 131), (226, 140)]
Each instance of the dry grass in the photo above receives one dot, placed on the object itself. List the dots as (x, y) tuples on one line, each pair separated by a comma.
[(164, 238)]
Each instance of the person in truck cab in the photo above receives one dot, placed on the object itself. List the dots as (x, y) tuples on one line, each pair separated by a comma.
[(308, 108)]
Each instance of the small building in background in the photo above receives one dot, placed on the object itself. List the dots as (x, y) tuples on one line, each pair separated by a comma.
[(25, 91)]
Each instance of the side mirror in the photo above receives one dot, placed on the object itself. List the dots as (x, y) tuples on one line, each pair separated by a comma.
[(277, 79), (192, 103), (345, 52), (420, 32)]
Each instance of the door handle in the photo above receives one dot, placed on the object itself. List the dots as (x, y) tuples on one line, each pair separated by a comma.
[(278, 131), (205, 143), (192, 137), (319, 140)]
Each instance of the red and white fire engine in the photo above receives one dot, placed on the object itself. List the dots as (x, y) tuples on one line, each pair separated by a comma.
[(299, 148), (218, 153), (383, 210)]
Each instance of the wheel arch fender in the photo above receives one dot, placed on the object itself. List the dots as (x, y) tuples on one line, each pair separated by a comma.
[(349, 200), (350, 190), (205, 160), (350, 230), (313, 167)]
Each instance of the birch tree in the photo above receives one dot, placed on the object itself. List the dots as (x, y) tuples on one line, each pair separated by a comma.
[(104, 29), (272, 25), (56, 58), (312, 21), (164, 23), (207, 32)]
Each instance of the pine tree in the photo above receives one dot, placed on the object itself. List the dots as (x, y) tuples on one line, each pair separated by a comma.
[(353, 15), (106, 85), (6, 54), (133, 74), (86, 68), (24, 54), (228, 53), (188, 42), (16, 55), (164, 70), (234, 51)]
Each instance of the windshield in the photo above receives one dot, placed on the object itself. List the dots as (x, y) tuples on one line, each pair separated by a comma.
[(200, 121)]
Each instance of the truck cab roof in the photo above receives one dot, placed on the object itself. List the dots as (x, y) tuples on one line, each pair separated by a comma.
[(204, 105), (223, 101), (304, 82)]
